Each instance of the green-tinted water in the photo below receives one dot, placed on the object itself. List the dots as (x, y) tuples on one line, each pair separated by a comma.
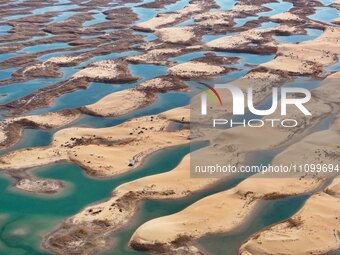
[(26, 217)]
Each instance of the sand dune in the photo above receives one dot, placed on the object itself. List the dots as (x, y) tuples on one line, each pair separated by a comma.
[(177, 34), (117, 211), (307, 58), (92, 148), (315, 229), (142, 95), (113, 71), (226, 211), (166, 19)]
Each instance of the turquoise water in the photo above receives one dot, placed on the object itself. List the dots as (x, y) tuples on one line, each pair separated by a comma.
[(186, 23), (42, 47), (4, 29), (145, 14), (269, 24), (225, 4), (147, 36), (271, 212), (326, 2), (6, 73), (97, 18), (175, 6), (311, 34), (279, 7), (325, 14), (62, 16), (241, 21), (335, 67), (24, 211), (57, 8), (208, 38), (5, 56)]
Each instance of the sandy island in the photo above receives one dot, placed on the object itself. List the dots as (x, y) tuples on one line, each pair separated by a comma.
[(92, 148), (142, 95)]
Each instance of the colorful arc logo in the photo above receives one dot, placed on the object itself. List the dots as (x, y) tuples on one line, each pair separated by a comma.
[(212, 93)]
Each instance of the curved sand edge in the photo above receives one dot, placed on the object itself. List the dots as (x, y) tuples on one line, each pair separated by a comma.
[(11, 129), (142, 95), (226, 211), (98, 220), (315, 229), (93, 148), (192, 222)]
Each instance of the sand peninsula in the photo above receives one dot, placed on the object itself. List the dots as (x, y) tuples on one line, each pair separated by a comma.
[(178, 183), (249, 193), (228, 210), (11, 129), (132, 99), (92, 148), (91, 227)]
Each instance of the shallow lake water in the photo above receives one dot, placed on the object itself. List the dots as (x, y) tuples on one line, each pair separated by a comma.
[(25, 218)]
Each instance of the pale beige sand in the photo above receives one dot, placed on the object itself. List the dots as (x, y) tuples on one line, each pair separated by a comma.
[(217, 213), (106, 70), (63, 60), (307, 57), (177, 34), (334, 188), (118, 103), (226, 18), (250, 139), (214, 18), (35, 67), (320, 147), (327, 88), (174, 184), (3, 135), (165, 19), (102, 152), (240, 7), (315, 229), (155, 56), (51, 119), (228, 210), (194, 69), (118, 210), (246, 37), (11, 128), (126, 101), (221, 212), (336, 21), (291, 65), (286, 16), (181, 114)]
